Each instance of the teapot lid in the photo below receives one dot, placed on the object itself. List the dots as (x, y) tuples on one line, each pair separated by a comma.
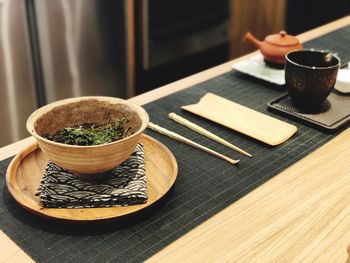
[(282, 39)]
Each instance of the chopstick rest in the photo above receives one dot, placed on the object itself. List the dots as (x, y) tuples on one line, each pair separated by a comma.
[(206, 133), (183, 139)]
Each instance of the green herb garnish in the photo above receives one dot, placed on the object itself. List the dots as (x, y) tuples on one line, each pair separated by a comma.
[(91, 134)]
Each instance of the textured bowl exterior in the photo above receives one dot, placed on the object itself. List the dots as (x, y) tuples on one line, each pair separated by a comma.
[(88, 159), (308, 87)]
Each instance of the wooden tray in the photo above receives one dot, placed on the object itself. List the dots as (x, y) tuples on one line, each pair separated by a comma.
[(26, 169), (242, 119)]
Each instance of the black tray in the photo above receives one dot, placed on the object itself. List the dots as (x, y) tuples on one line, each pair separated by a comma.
[(333, 114)]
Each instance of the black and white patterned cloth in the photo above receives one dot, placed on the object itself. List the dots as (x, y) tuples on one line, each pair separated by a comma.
[(122, 186)]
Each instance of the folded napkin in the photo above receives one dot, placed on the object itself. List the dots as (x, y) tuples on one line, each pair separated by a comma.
[(122, 186)]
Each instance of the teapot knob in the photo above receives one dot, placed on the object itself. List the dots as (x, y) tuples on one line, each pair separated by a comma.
[(283, 33)]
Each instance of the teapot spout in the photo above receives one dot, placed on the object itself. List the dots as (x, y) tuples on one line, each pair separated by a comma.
[(250, 38)]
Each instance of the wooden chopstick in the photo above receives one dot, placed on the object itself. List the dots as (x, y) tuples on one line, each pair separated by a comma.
[(180, 138), (206, 133)]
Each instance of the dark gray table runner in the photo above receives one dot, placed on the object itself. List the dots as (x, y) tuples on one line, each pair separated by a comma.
[(205, 184)]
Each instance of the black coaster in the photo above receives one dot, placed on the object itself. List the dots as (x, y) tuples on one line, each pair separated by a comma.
[(333, 114)]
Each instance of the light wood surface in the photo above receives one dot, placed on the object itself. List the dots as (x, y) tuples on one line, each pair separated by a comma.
[(12, 253), (302, 215), (183, 139), (205, 132), (242, 119), (26, 169)]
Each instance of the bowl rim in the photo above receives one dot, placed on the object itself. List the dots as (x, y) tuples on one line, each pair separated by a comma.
[(323, 51), (38, 112)]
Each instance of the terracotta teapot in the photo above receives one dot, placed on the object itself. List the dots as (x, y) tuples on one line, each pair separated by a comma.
[(275, 46)]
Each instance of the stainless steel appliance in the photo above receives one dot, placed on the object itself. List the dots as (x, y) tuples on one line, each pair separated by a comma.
[(171, 30), (17, 90), (54, 49), (178, 38)]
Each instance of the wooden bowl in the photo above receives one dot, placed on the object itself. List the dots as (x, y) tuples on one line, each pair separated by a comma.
[(75, 111)]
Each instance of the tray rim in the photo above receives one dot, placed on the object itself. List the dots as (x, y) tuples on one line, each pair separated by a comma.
[(33, 206), (335, 127)]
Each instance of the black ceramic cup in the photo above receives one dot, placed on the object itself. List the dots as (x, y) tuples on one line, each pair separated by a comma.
[(310, 77)]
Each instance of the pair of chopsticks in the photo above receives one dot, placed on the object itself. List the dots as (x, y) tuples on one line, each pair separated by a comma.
[(200, 130)]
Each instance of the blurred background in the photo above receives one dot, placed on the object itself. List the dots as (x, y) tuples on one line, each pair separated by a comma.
[(55, 49)]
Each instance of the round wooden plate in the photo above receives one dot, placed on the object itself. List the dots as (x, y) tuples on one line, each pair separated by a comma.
[(26, 169)]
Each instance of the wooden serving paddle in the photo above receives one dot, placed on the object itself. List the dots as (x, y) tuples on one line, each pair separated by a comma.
[(242, 119), (183, 139)]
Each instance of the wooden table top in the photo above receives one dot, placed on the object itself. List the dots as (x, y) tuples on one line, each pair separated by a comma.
[(302, 214)]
